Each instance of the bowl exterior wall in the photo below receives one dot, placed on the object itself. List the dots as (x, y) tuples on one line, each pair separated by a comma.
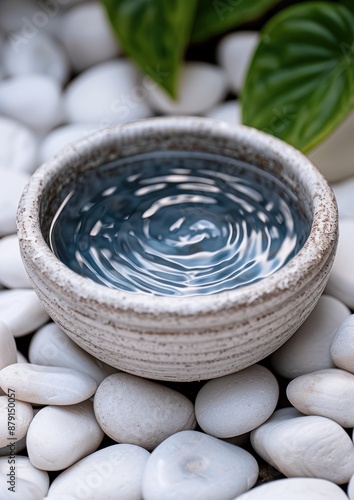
[(184, 339), (176, 354)]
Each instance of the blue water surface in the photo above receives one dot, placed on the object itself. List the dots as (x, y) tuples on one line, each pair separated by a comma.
[(178, 223)]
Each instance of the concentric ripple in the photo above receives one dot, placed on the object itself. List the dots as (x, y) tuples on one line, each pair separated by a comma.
[(178, 223)]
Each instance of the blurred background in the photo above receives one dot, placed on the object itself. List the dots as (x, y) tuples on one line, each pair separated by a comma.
[(64, 73)]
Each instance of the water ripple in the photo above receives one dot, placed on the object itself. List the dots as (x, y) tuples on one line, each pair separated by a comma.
[(178, 224)]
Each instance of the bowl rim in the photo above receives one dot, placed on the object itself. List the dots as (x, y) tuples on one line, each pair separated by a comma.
[(281, 284)]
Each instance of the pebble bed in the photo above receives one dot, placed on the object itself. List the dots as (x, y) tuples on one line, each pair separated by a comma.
[(72, 427)]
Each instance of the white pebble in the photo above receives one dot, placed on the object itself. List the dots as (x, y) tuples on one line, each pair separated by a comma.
[(229, 112), (237, 403), (41, 55), (12, 13), (344, 196), (12, 270), (34, 100), (22, 489), (11, 187), (21, 358), (60, 137), (308, 446), (341, 278), (15, 416), (18, 146), (24, 20), (87, 36), (133, 410), (45, 385), (191, 464), (111, 473), (342, 345), (334, 156), (108, 93), (20, 445), (299, 488), (328, 393), (59, 437), (60, 497), (234, 54), (50, 346), (308, 349), (8, 352), (201, 87), (27, 472), (351, 488), (21, 311)]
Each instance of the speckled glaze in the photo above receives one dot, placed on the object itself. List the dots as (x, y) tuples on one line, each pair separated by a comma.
[(179, 338)]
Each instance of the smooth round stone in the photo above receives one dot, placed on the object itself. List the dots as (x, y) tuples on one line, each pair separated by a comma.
[(61, 137), (308, 349), (59, 437), (50, 346), (18, 146), (41, 55), (60, 497), (21, 358), (341, 278), (328, 393), (191, 464), (12, 270), (234, 54), (18, 414), (32, 99), (20, 445), (299, 488), (11, 187), (87, 36), (229, 112), (342, 346), (237, 403), (44, 385), (25, 471), (334, 156), (115, 472), (21, 311), (22, 489), (351, 488), (12, 12), (344, 196), (306, 446), (8, 351), (108, 93), (133, 410), (23, 20), (190, 99)]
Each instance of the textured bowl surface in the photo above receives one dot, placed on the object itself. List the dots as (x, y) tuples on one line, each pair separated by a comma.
[(179, 338)]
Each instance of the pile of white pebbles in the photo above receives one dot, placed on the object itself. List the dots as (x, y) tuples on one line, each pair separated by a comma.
[(74, 428)]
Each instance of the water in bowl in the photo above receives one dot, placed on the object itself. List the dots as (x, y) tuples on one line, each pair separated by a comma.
[(178, 223)]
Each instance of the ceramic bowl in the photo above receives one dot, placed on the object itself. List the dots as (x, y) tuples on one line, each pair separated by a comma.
[(179, 338)]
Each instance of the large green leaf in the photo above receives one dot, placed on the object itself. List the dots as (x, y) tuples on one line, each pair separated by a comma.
[(348, 3), (300, 84), (216, 16), (154, 33)]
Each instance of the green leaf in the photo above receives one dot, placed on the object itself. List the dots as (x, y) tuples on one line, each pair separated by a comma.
[(348, 3), (216, 16), (300, 84), (154, 33)]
